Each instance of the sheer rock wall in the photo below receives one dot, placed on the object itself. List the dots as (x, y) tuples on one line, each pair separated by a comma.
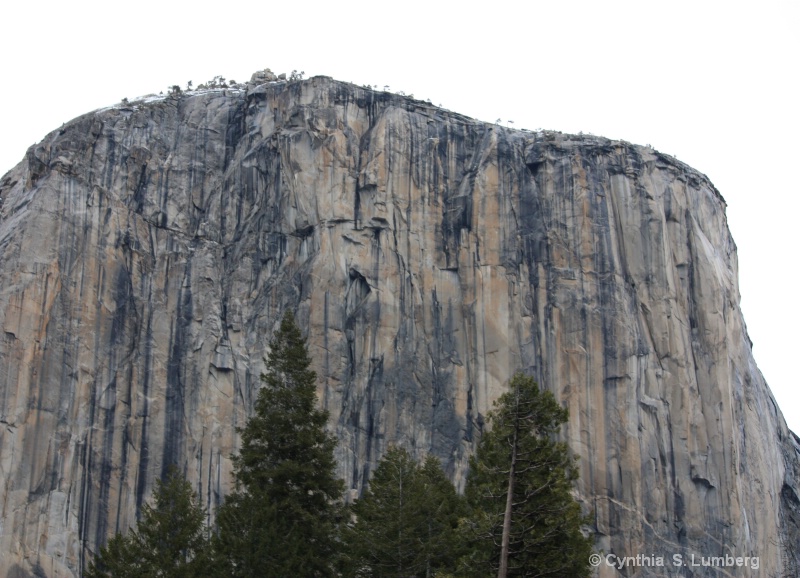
[(148, 251)]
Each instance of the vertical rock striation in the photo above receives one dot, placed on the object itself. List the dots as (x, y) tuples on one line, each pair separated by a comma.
[(148, 251)]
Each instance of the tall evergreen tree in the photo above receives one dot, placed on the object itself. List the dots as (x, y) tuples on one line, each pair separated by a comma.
[(169, 540), (281, 519), (405, 522), (524, 520), (442, 508)]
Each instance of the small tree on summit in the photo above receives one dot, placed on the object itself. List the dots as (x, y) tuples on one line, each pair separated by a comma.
[(281, 519)]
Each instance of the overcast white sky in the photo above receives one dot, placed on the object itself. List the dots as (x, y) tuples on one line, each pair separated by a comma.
[(713, 83)]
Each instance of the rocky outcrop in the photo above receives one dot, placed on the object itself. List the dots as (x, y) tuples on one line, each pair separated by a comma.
[(148, 251)]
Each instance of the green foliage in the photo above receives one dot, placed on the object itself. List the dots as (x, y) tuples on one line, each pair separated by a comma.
[(169, 540), (281, 520), (120, 557), (519, 451), (442, 508), (285, 516), (406, 521)]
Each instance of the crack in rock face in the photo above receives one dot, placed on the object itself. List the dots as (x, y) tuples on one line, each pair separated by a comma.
[(148, 252)]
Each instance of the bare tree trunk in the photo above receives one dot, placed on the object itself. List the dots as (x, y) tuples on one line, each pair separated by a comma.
[(506, 538)]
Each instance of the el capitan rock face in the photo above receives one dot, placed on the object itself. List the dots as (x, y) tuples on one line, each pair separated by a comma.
[(148, 251)]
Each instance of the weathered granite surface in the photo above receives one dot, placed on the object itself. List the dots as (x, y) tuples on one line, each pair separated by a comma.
[(147, 252)]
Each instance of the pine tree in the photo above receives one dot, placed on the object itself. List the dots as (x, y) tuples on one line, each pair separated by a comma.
[(169, 540), (121, 557), (384, 538), (281, 519), (442, 509), (405, 522), (524, 520)]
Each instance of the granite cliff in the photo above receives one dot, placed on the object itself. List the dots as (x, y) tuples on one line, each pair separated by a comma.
[(148, 250)]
